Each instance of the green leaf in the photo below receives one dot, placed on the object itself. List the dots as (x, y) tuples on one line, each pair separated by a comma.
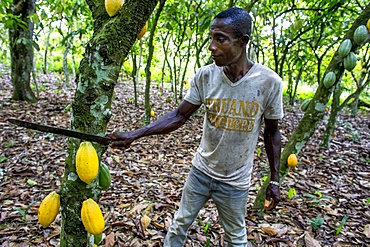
[(29, 206), (68, 108), (339, 228), (208, 242), (317, 222), (291, 193), (206, 227), (23, 213), (31, 182), (309, 195)]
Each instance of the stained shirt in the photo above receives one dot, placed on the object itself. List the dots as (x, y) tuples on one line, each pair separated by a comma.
[(232, 122)]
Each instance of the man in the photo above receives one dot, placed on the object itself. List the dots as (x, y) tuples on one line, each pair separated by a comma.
[(237, 94)]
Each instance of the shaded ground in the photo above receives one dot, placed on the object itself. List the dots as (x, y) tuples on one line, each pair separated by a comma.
[(330, 184)]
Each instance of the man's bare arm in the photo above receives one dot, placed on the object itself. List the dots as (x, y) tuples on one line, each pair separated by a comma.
[(272, 139), (164, 125)]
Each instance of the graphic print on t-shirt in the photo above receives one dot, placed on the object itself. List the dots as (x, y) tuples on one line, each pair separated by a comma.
[(231, 114)]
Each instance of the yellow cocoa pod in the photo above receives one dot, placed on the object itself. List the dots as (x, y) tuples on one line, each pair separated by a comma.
[(87, 162), (92, 217), (113, 6), (292, 160), (143, 31), (49, 209), (368, 25)]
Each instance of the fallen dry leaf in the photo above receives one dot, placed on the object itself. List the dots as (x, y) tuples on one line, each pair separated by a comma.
[(145, 221), (270, 230), (110, 240), (310, 241)]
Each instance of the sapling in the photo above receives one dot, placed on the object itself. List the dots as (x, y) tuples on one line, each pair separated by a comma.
[(205, 230), (316, 222), (24, 212), (339, 228)]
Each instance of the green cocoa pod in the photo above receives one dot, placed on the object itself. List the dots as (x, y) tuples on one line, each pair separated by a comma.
[(329, 79), (345, 48), (105, 179), (361, 34), (349, 62), (305, 104)]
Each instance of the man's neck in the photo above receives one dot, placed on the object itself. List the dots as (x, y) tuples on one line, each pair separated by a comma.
[(237, 71)]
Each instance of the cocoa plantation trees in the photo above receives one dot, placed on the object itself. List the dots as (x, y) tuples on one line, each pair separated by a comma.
[(319, 103)]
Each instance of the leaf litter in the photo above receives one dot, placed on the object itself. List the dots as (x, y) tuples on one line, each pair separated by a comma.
[(147, 179)]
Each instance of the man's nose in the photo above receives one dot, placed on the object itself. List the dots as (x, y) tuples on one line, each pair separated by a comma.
[(211, 46)]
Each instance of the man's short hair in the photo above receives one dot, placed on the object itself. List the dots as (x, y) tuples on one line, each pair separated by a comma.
[(240, 20)]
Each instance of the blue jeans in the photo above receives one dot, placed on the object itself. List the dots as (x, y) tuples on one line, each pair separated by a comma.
[(230, 202)]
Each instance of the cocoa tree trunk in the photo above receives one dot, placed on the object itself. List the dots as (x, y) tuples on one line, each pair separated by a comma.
[(68, 44), (314, 113), (98, 73), (47, 43), (21, 50), (187, 60), (335, 109), (149, 62), (133, 74)]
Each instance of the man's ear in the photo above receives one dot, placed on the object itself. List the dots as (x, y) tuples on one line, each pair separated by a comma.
[(245, 39)]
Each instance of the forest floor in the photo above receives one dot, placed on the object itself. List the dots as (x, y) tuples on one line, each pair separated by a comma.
[(331, 186)]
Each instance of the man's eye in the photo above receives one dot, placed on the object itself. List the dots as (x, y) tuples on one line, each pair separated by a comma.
[(218, 39)]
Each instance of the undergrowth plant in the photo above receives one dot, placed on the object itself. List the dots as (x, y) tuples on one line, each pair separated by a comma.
[(24, 212), (317, 198), (316, 222), (340, 227)]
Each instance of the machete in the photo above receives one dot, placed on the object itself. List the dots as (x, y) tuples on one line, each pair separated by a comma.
[(70, 133)]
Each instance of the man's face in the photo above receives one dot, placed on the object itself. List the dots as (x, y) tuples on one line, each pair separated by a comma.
[(226, 49)]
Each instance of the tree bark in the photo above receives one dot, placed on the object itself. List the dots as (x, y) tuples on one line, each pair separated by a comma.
[(98, 73), (21, 50), (315, 111)]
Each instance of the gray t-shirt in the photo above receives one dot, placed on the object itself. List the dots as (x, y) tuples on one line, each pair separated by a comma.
[(233, 119)]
